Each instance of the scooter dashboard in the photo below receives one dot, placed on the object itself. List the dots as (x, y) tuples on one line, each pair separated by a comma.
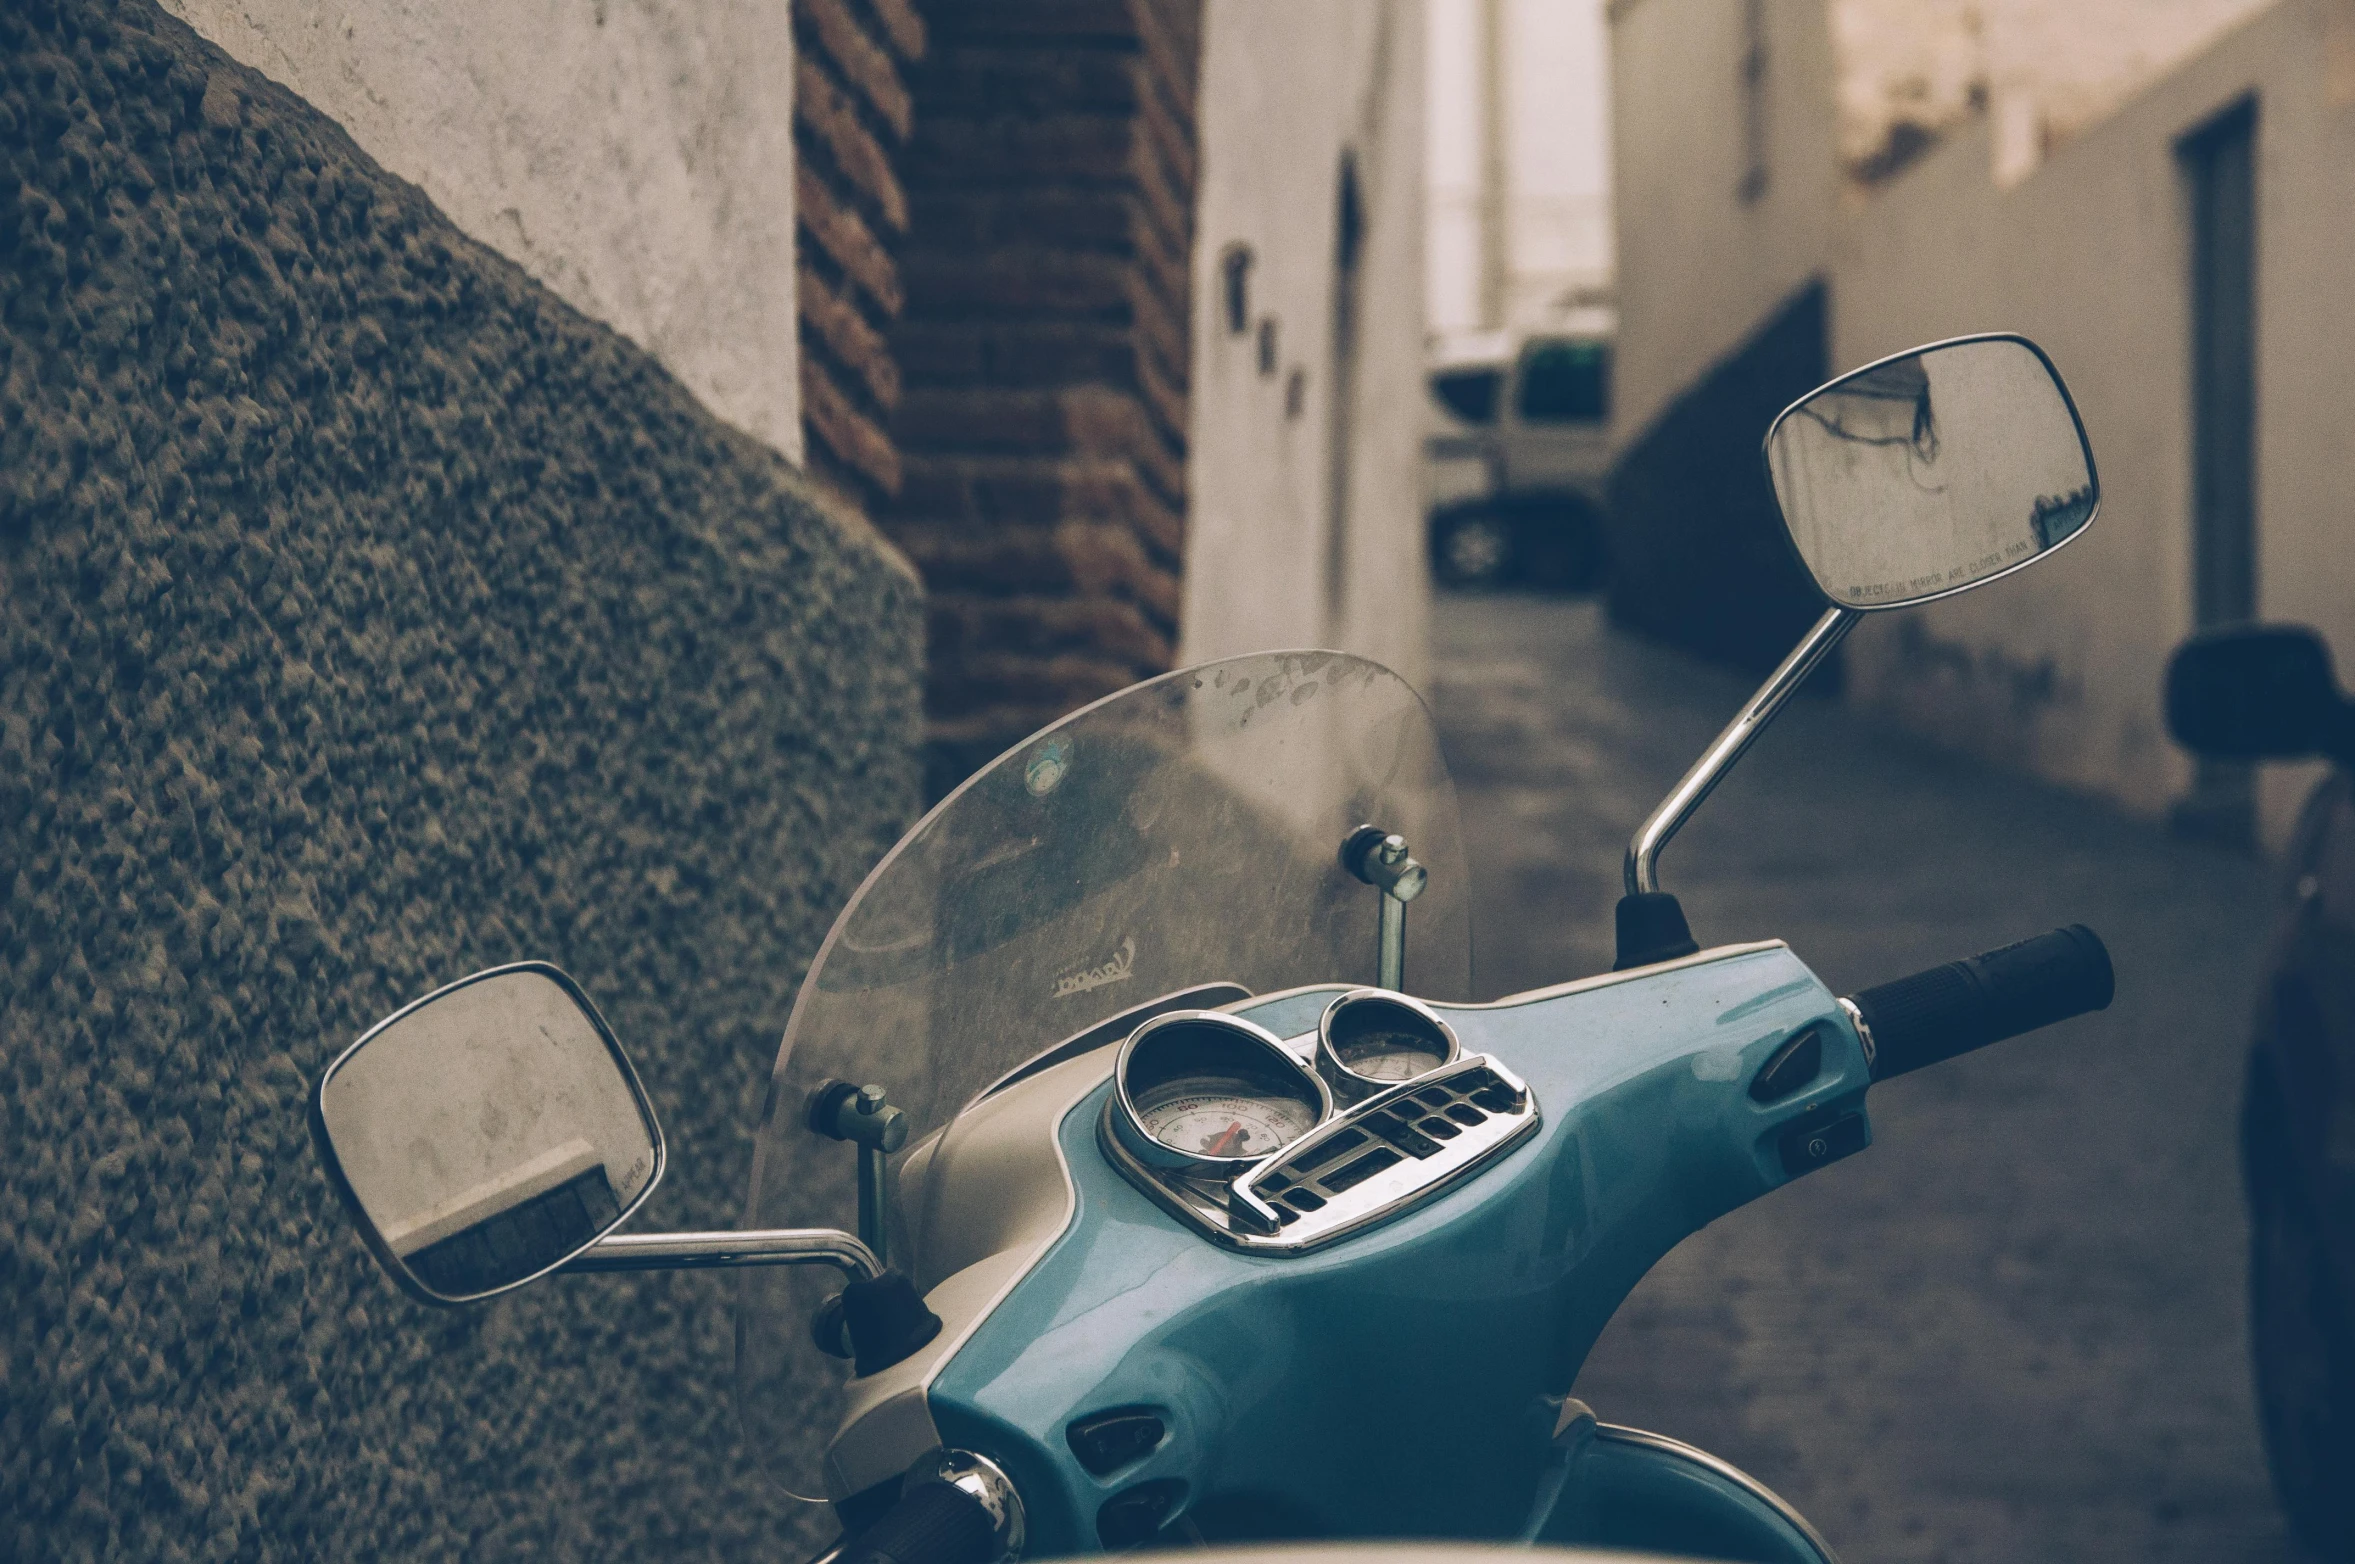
[(1268, 1147)]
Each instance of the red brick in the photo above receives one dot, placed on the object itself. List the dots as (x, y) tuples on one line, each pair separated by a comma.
[(1033, 279), (1027, 354), (1062, 23), (1024, 79), (838, 432), (1044, 352), (956, 685), (1048, 627), (850, 337), (1120, 538), (980, 558), (931, 419), (1114, 423), (826, 112), (1100, 217), (845, 238), (937, 490), (899, 23), (1038, 355), (829, 27), (1051, 691), (1067, 146), (1093, 419), (938, 354), (1172, 40)]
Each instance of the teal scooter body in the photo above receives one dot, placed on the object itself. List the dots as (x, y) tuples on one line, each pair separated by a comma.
[(1407, 1382), (1156, 1282)]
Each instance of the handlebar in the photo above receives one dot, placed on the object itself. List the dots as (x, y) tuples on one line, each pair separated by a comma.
[(1984, 999), (930, 1523)]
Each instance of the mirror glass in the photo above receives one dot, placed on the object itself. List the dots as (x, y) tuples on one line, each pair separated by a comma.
[(1932, 472), (487, 1133)]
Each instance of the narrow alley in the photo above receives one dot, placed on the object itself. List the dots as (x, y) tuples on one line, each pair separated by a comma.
[(2014, 1329)]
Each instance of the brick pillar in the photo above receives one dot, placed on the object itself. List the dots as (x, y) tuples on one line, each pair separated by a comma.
[(852, 115), (1042, 350)]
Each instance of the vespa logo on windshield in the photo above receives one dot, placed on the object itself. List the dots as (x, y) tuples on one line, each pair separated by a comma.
[(1115, 970)]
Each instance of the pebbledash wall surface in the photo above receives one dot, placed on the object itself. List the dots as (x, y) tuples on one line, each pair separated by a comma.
[(367, 616)]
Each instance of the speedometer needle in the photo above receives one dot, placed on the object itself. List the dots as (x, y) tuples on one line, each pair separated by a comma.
[(1230, 1140)]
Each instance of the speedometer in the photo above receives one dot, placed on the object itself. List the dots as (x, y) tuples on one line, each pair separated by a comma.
[(1199, 1117), (1204, 1093)]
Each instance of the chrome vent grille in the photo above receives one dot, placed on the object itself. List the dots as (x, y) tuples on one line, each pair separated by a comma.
[(1367, 1165)]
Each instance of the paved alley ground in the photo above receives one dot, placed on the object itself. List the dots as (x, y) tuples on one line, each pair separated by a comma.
[(2013, 1329)]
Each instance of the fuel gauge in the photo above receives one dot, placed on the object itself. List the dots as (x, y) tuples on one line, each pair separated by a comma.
[(1369, 1040)]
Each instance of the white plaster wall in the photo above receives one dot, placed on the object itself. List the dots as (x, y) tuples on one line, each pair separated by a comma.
[(2089, 256), (634, 155), (1699, 269), (1559, 156), (1284, 92), (1455, 74), (2057, 670), (2043, 70), (1556, 121)]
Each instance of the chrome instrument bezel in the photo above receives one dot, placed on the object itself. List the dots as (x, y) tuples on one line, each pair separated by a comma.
[(1241, 1213), (1350, 1087), (1157, 1156)]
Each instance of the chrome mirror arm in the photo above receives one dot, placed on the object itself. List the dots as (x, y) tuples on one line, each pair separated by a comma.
[(730, 1251), (1643, 853), (1382, 860)]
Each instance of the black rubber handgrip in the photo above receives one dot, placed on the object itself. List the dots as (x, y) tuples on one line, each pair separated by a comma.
[(1984, 999), (932, 1523)]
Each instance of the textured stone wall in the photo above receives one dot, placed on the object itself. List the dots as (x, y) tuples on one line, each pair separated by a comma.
[(368, 617), (1044, 354), (852, 115)]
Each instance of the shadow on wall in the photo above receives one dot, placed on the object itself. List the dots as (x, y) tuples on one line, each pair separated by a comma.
[(1697, 550), (369, 617)]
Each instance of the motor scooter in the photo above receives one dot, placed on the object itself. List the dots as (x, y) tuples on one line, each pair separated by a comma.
[(1195, 1203)]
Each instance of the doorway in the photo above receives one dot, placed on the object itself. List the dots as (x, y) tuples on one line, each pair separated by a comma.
[(2220, 176), (1348, 249)]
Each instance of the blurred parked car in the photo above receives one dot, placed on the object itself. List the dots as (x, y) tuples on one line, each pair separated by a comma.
[(2268, 693), (1517, 457)]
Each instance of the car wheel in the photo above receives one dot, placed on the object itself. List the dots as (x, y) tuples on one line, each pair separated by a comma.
[(1472, 548), (2302, 1337)]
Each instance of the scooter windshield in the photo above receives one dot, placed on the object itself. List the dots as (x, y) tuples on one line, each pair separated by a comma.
[(1183, 832)]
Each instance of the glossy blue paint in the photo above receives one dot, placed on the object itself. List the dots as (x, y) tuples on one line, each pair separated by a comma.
[(1289, 1015), (1401, 1383)]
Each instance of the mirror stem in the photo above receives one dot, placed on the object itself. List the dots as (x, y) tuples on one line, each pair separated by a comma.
[(1381, 859), (1643, 853), (872, 1200), (1390, 954), (715, 1251)]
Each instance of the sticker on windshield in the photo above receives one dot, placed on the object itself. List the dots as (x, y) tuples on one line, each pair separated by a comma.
[(1103, 973), (1047, 767)]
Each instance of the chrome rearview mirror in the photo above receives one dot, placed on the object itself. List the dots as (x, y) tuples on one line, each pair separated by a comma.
[(487, 1133), (494, 1131), (1914, 478), (1932, 472)]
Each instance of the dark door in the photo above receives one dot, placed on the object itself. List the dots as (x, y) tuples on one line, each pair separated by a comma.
[(1348, 249), (2219, 165)]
